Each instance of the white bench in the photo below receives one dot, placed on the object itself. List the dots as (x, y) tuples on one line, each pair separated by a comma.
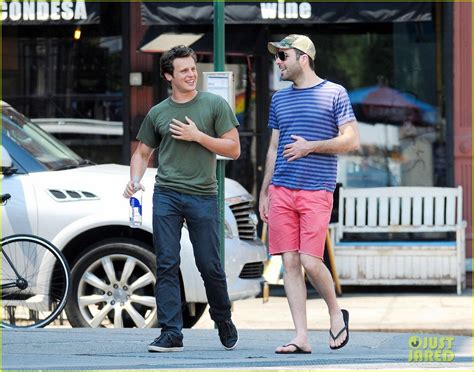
[(389, 210)]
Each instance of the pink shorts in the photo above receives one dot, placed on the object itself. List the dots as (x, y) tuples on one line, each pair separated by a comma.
[(298, 220)]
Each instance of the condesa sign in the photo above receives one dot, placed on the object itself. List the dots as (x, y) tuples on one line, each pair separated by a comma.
[(49, 12)]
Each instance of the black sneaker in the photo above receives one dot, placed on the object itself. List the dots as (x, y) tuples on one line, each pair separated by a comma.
[(165, 343), (228, 334)]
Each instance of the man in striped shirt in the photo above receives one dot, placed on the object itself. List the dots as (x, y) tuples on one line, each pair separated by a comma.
[(312, 121)]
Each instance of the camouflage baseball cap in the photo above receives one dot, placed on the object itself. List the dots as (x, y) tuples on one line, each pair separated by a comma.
[(300, 42)]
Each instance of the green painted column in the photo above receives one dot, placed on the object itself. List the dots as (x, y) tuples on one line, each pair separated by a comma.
[(219, 65)]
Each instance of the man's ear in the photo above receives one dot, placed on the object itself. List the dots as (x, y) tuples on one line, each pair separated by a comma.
[(168, 76), (306, 57)]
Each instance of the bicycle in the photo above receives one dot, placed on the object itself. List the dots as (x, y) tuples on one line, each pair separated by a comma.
[(35, 280)]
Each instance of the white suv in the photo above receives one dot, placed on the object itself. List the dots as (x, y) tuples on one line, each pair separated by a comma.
[(79, 207)]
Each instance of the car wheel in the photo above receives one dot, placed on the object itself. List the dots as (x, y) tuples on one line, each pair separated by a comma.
[(113, 286), (190, 320)]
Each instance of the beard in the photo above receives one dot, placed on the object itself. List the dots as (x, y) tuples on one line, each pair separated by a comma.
[(291, 74)]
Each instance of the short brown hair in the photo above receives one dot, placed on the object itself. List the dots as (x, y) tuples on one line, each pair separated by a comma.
[(166, 60)]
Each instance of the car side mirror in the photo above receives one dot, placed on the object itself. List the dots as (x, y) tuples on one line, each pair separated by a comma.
[(7, 163)]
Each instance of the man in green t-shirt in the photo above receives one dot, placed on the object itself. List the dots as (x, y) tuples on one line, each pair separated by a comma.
[(188, 128)]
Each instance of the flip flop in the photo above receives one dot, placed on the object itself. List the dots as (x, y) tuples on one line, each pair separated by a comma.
[(345, 316), (297, 350)]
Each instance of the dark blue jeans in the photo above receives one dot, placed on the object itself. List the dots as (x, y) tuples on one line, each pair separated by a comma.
[(170, 209)]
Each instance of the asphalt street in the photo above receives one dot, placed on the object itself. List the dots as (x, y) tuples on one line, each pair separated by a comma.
[(384, 324), (114, 349)]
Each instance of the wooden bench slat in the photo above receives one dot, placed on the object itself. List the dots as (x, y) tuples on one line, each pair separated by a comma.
[(399, 229), (439, 210), (394, 210), (383, 211), (406, 210), (350, 212), (417, 210), (450, 210), (428, 211), (372, 211), (361, 211), (400, 191), (438, 243)]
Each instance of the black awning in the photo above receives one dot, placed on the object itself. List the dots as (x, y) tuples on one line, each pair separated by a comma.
[(289, 12), (159, 39)]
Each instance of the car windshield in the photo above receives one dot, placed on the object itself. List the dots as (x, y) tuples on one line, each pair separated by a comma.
[(43, 147)]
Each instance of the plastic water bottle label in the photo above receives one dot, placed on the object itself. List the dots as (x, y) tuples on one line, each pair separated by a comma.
[(135, 211)]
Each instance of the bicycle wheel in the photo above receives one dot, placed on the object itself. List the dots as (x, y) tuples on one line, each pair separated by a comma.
[(35, 282)]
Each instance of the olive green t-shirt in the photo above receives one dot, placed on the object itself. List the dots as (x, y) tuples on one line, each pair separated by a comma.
[(186, 166)]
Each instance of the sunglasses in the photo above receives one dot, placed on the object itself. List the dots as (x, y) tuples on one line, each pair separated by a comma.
[(282, 56)]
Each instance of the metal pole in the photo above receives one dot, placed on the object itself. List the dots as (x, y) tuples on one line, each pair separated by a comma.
[(219, 65), (219, 35)]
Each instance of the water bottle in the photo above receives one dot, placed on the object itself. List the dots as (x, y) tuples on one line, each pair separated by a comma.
[(136, 206)]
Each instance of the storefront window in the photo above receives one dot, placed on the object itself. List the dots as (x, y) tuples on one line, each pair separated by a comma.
[(58, 77), (66, 73), (392, 75)]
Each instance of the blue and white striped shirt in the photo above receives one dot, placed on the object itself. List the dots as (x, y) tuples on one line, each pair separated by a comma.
[(315, 114)]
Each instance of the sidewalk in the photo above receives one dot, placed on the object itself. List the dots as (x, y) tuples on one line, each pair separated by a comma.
[(428, 311)]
